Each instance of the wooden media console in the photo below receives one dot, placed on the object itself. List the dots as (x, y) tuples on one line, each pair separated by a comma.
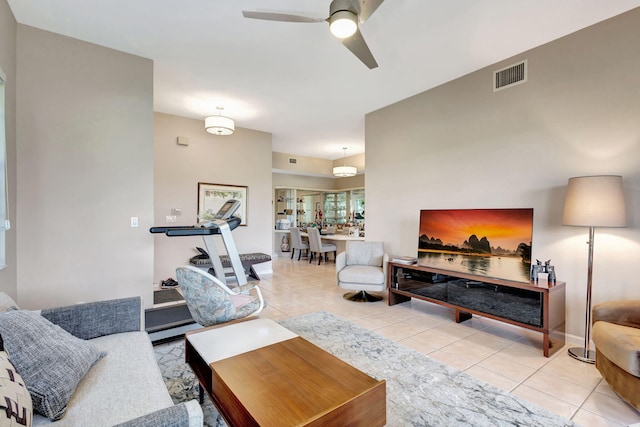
[(535, 306)]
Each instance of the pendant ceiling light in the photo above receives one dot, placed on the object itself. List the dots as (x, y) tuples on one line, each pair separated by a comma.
[(219, 125), (343, 171)]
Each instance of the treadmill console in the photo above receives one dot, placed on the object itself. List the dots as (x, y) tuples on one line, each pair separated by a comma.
[(225, 212), (228, 209)]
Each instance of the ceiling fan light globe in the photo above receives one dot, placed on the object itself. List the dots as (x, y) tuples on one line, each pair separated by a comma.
[(343, 24)]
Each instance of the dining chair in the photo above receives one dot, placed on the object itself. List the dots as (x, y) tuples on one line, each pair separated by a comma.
[(298, 243), (317, 247)]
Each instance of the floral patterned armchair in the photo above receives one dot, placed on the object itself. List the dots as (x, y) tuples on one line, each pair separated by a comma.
[(211, 302)]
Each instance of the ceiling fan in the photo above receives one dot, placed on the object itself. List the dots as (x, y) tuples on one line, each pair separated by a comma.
[(343, 23)]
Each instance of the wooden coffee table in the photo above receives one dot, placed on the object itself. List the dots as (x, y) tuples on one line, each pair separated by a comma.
[(258, 373)]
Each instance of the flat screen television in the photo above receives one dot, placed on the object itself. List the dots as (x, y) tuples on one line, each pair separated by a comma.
[(493, 243)]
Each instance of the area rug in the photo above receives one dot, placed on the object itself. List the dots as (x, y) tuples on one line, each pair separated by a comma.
[(420, 391), (166, 295)]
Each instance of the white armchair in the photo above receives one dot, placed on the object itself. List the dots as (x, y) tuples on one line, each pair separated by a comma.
[(362, 267)]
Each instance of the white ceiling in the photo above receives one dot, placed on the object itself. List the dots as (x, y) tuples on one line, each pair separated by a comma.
[(295, 80)]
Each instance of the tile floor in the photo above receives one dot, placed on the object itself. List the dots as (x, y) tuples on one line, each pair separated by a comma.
[(506, 356)]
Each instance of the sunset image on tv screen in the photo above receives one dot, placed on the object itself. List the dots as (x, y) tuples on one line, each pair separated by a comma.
[(489, 242)]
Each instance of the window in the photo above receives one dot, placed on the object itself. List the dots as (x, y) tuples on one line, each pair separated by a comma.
[(4, 196)]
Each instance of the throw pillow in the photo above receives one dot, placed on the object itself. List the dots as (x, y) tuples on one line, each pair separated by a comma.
[(15, 401), (51, 361), (6, 303)]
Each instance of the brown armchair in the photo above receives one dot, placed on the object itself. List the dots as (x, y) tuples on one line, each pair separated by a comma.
[(616, 334)]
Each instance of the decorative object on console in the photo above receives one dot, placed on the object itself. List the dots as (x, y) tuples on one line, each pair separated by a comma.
[(219, 125), (405, 260), (593, 201), (344, 171), (494, 243), (547, 268)]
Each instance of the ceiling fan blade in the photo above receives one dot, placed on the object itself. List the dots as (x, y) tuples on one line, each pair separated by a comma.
[(279, 16), (359, 48), (367, 7)]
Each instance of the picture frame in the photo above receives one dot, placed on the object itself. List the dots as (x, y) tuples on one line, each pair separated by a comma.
[(212, 196)]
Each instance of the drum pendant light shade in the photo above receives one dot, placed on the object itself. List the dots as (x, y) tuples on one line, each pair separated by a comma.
[(344, 171), (219, 125)]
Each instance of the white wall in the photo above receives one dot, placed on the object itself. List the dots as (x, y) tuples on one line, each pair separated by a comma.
[(8, 29), (85, 167), (461, 145), (243, 158)]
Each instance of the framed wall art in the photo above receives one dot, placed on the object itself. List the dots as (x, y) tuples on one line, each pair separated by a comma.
[(212, 196)]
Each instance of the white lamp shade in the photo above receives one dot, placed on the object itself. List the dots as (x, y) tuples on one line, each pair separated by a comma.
[(219, 125), (595, 201), (343, 171), (343, 24)]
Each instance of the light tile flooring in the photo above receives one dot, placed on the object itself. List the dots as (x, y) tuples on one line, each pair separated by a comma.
[(506, 356)]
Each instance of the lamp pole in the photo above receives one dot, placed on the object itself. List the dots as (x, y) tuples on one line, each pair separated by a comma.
[(584, 354)]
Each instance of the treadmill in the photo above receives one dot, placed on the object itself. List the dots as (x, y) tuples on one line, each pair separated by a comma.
[(222, 225)]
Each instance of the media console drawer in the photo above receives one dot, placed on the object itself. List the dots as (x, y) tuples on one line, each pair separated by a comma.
[(529, 305)]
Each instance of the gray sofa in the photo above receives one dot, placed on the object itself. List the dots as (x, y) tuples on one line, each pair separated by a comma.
[(124, 385)]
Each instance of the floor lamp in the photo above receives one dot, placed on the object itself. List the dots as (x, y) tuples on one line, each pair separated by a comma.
[(593, 201)]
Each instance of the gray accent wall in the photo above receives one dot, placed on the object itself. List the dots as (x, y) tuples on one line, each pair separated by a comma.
[(8, 281), (85, 167), (460, 145)]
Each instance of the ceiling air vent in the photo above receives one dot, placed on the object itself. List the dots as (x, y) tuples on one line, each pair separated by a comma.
[(293, 161), (510, 76)]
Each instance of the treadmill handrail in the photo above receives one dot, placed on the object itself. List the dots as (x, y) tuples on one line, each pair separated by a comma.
[(194, 230)]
